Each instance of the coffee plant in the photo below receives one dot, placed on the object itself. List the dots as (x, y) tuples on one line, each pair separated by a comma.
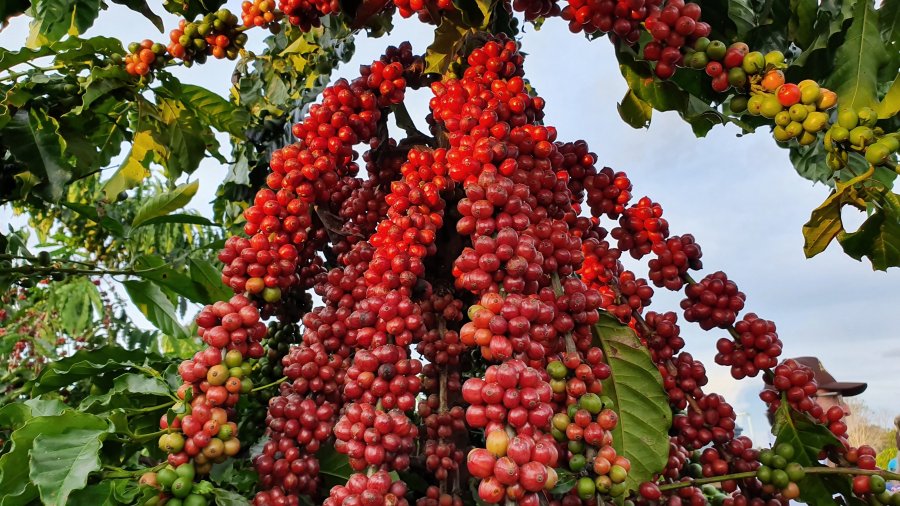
[(391, 316)]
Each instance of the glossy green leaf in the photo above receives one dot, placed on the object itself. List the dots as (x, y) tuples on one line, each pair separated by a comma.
[(809, 162), (100, 82), (33, 138), (54, 19), (635, 386), (156, 269), (334, 468), (85, 364), (808, 439), (448, 37), (855, 75), (192, 9), (890, 104), (61, 463), (15, 414), (91, 213), (634, 111), (878, 239), (801, 23), (823, 226), (9, 59), (743, 16), (97, 494), (210, 107), (18, 488), (209, 277), (889, 25), (187, 219), (128, 391), (133, 170), (164, 203), (153, 304)]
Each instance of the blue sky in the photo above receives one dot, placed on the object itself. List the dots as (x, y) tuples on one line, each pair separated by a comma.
[(739, 197)]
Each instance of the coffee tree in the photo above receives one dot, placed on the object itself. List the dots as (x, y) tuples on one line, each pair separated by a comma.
[(442, 318)]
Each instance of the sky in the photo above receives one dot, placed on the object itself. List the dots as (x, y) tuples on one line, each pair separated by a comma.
[(739, 196)]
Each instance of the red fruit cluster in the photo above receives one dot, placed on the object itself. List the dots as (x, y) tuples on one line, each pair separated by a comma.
[(674, 26), (145, 57), (285, 470), (713, 421), (756, 348), (376, 489), (673, 259), (662, 335), (518, 470), (301, 420), (582, 376), (621, 17), (713, 302), (370, 437), (232, 325), (385, 374), (512, 394), (307, 13), (797, 384), (424, 8), (640, 228)]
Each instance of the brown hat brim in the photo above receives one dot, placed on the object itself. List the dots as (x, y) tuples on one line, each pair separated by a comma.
[(846, 389)]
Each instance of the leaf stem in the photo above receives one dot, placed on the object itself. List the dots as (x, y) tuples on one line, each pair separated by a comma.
[(853, 471)]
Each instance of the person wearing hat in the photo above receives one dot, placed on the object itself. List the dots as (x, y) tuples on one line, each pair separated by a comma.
[(831, 392)]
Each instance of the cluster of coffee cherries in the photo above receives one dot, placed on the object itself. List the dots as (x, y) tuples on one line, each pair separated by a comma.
[(259, 13), (516, 468), (375, 438), (797, 384), (756, 348), (585, 428), (376, 489), (779, 471), (799, 110), (675, 28), (712, 302), (623, 18), (215, 34), (145, 56), (855, 130), (177, 483)]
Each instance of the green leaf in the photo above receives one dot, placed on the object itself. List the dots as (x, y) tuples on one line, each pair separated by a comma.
[(855, 75), (333, 466), (890, 104), (165, 203), (878, 238), (802, 21), (156, 307), (228, 498), (209, 277), (635, 111), (61, 463), (808, 439), (128, 391), (187, 219), (742, 15), (142, 7), (635, 386), (9, 59), (823, 226), (889, 24), (193, 8), (809, 162), (134, 169), (54, 19), (15, 414), (100, 82), (98, 494), (154, 268), (33, 138), (565, 481), (209, 107), (448, 37), (18, 488), (91, 213), (85, 364)]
